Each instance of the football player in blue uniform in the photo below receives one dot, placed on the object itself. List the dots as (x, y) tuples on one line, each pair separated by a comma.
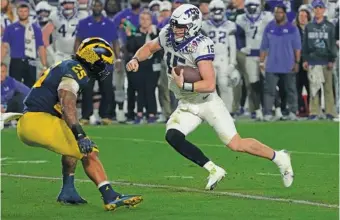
[(50, 120)]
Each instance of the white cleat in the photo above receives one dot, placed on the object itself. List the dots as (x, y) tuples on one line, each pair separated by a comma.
[(285, 166), (215, 176)]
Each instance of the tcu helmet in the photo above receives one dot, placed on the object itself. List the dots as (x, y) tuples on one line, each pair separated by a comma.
[(186, 16), (43, 6), (253, 8), (217, 10)]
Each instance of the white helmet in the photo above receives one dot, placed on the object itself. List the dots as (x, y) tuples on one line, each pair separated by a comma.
[(71, 11), (186, 16), (217, 10), (234, 78), (252, 8), (43, 6)]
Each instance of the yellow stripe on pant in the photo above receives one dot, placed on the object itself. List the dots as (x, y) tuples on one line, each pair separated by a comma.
[(40, 129)]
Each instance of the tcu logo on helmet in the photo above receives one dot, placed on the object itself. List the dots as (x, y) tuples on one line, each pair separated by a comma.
[(192, 12)]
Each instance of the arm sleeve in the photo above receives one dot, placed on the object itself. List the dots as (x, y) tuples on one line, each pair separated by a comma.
[(21, 88), (204, 51), (69, 84)]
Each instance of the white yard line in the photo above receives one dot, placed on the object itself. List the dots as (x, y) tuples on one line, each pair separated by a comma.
[(180, 177), (268, 174), (187, 189), (200, 144)]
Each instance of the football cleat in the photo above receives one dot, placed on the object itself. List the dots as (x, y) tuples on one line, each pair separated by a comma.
[(285, 167), (215, 176), (123, 200), (70, 196)]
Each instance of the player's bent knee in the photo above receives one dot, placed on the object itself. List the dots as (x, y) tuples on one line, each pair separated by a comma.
[(174, 137), (236, 144)]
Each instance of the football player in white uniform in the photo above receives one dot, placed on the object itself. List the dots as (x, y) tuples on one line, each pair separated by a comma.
[(253, 23), (63, 24), (222, 33), (184, 44)]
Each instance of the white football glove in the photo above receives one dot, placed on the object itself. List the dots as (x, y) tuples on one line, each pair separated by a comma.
[(245, 50), (230, 68), (234, 78)]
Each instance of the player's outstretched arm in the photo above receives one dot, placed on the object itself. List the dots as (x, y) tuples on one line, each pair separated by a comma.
[(143, 53), (208, 82), (46, 32)]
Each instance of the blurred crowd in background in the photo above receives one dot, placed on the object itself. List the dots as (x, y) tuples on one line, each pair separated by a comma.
[(36, 34)]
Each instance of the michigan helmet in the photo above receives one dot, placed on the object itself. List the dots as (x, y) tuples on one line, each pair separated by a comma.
[(186, 16), (97, 56)]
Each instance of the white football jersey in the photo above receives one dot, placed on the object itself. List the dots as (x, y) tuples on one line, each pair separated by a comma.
[(65, 30), (188, 54), (254, 29), (219, 33)]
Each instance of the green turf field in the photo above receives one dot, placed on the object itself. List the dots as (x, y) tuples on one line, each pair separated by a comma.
[(139, 161)]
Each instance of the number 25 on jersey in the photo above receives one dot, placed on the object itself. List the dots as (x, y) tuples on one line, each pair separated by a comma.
[(78, 69)]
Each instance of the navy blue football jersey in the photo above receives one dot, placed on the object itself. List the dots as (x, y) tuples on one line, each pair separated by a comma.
[(43, 96)]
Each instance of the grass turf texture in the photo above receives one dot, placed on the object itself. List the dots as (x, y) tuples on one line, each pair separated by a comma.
[(139, 154)]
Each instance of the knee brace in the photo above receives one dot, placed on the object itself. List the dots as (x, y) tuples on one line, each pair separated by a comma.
[(175, 138)]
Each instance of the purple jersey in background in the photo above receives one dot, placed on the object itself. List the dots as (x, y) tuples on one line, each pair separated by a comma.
[(290, 5)]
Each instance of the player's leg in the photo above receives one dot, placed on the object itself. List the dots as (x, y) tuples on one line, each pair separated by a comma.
[(219, 118), (180, 124), (112, 199), (269, 94), (252, 68), (68, 193), (54, 134)]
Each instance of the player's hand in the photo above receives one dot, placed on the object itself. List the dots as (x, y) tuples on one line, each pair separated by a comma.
[(305, 65), (179, 79), (85, 145), (262, 69), (295, 68), (245, 50), (230, 68), (132, 65)]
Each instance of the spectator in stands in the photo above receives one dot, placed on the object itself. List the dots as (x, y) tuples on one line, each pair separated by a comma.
[(204, 8), (96, 25), (281, 46), (24, 40), (303, 18), (165, 14), (111, 8), (319, 53), (12, 92), (144, 81), (7, 14), (128, 18)]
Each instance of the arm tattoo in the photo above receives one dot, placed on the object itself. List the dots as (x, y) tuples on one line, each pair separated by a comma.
[(68, 103)]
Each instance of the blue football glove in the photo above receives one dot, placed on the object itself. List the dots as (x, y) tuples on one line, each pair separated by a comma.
[(85, 145)]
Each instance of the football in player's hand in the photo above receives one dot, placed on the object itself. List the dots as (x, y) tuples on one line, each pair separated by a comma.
[(190, 74)]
